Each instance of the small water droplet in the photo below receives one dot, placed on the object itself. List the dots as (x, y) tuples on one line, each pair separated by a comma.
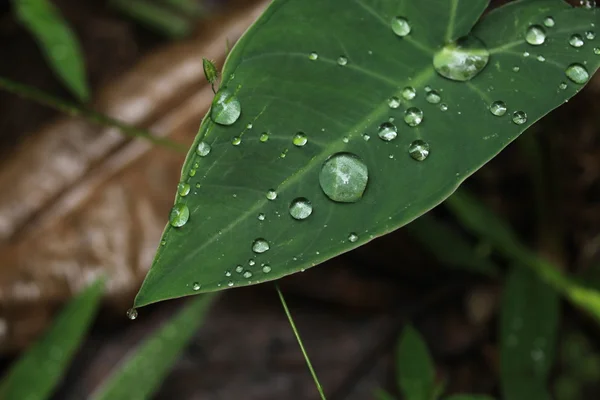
[(589, 35), (444, 107), (264, 137), (251, 262), (353, 237), (301, 208), (519, 117), (498, 108), (344, 178), (196, 286), (549, 22), (577, 73), (535, 35), (260, 246), (589, 4), (249, 126), (597, 51), (247, 275), (132, 314), (387, 131), (433, 97), (266, 269), (236, 141), (541, 58), (183, 189), (226, 108), (342, 60), (525, 54), (300, 139), (366, 137), (463, 60), (271, 194), (576, 40), (239, 269), (261, 217), (179, 215), (228, 273), (413, 116), (401, 26), (562, 86), (203, 149), (394, 102), (230, 283), (313, 56), (345, 139), (516, 69), (409, 93), (419, 150)]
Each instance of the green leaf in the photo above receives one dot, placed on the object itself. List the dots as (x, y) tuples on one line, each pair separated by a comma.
[(142, 372), (488, 226), (449, 246), (38, 372), (416, 370), (528, 331), (469, 397), (314, 80), (58, 42)]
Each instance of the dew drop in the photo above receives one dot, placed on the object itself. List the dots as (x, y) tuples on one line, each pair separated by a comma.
[(562, 86), (589, 4), (261, 217), (419, 150), (249, 126), (226, 108), (577, 73), (236, 141), (535, 35), (230, 283), (498, 108), (541, 58), (433, 97), (183, 189), (313, 56), (444, 107), (132, 314), (300, 139), (179, 215), (589, 35), (271, 194), (301, 208), (247, 275), (597, 51), (264, 137), (203, 149), (366, 137), (260, 246), (353, 237), (576, 41), (525, 54), (548, 22), (400, 26), (342, 60), (519, 117), (394, 102), (251, 262), (196, 286), (228, 273), (409, 93), (387, 131), (463, 60), (266, 269), (344, 178), (239, 269), (516, 69), (413, 116)]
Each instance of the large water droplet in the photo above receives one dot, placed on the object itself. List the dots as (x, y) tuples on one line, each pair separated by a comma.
[(179, 216), (300, 139), (394, 102), (387, 131), (301, 208), (419, 150), (498, 108), (271, 194), (344, 178), (576, 40), (203, 149), (260, 246), (196, 286), (132, 314), (519, 117), (577, 73), (409, 93), (183, 189), (400, 26), (535, 35), (463, 60), (226, 108), (413, 116)]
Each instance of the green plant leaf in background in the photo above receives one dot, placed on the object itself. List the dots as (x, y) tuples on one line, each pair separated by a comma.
[(36, 374), (144, 369), (528, 331), (339, 121), (416, 370), (58, 42)]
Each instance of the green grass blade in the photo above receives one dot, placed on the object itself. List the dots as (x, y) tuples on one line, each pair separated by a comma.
[(528, 332), (415, 367), (39, 371), (449, 246), (59, 44), (142, 372)]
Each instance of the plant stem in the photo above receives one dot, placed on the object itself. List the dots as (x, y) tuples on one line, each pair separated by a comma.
[(73, 109), (308, 363)]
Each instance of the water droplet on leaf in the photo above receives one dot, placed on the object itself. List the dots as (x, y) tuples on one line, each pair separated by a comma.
[(344, 178), (353, 237), (183, 189), (409, 93), (519, 117), (301, 208), (400, 26), (196, 286), (313, 56), (203, 149), (260, 246), (577, 73), (535, 35), (433, 97), (342, 60), (261, 217), (498, 108), (226, 108), (300, 139), (236, 141), (247, 275), (419, 150), (463, 60), (394, 102), (413, 116), (387, 131), (589, 35), (271, 194), (132, 314), (549, 22), (576, 40), (179, 216), (266, 269)]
